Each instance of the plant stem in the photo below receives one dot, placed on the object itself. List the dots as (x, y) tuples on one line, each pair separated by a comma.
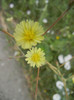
[(54, 69), (65, 89), (7, 33), (37, 85), (12, 57), (56, 21), (70, 77), (57, 71)]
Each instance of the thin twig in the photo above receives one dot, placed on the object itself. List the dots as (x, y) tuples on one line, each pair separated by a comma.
[(64, 82), (37, 85), (13, 41), (7, 33), (12, 57), (56, 21)]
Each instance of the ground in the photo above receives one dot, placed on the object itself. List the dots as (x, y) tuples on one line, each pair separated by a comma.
[(13, 85)]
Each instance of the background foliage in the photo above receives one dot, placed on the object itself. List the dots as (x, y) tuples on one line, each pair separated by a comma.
[(59, 40)]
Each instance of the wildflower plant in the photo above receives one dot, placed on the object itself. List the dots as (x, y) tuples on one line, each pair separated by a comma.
[(27, 35), (35, 57)]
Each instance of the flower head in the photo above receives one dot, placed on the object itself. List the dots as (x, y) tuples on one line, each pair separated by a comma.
[(35, 57), (11, 5), (59, 85), (28, 12), (56, 97), (57, 37), (68, 57), (61, 59), (45, 20), (67, 65), (28, 34), (52, 32)]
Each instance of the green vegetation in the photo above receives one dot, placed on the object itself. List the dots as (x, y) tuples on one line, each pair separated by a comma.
[(59, 40)]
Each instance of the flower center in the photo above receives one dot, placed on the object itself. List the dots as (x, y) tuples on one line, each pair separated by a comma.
[(29, 36), (35, 58)]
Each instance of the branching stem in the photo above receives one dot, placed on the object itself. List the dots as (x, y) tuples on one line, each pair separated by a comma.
[(57, 20), (56, 71), (37, 85)]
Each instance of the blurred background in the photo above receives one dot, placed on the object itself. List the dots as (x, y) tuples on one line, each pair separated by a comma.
[(58, 44)]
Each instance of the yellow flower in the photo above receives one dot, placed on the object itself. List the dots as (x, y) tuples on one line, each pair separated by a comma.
[(73, 79), (45, 91), (35, 57), (28, 34), (57, 37)]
